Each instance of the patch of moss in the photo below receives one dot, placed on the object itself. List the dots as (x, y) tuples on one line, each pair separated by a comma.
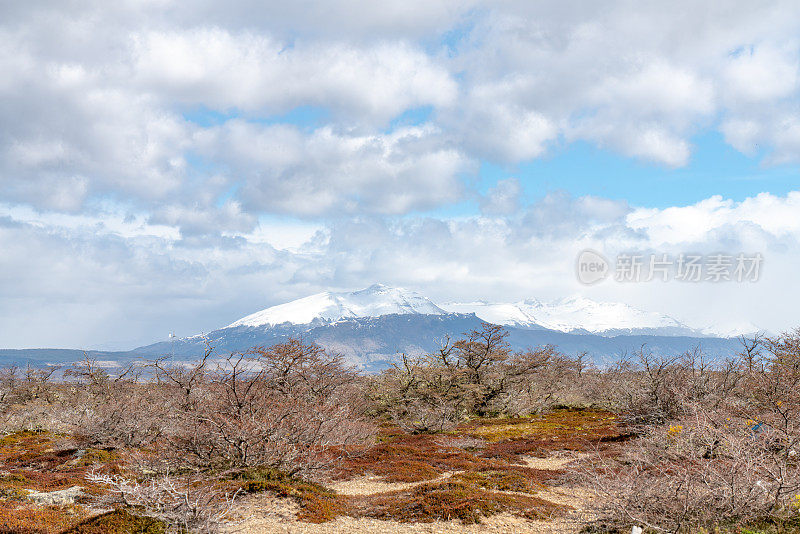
[(119, 522), (497, 480), (453, 500), (13, 478), (21, 518), (97, 456), (318, 504), (25, 445), (14, 438), (512, 449), (410, 458), (567, 424), (13, 494), (267, 478), (409, 471)]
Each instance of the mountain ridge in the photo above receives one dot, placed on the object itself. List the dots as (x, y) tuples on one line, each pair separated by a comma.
[(328, 306), (576, 314), (369, 327)]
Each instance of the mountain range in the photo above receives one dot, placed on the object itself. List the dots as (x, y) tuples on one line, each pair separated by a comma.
[(577, 315), (369, 327)]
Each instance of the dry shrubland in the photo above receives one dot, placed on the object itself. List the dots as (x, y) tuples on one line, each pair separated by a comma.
[(291, 407), (673, 443), (717, 445), (476, 376)]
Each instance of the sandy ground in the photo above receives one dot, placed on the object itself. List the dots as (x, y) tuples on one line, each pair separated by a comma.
[(373, 485), (269, 515)]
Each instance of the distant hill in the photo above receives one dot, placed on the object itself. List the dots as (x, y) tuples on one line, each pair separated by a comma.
[(372, 342), (371, 326)]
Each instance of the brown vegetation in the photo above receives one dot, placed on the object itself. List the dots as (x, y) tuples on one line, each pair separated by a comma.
[(670, 443), (718, 443)]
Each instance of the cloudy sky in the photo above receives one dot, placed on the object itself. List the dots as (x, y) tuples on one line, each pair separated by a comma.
[(171, 166)]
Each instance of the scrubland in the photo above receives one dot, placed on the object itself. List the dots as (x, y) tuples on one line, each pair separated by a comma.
[(475, 437)]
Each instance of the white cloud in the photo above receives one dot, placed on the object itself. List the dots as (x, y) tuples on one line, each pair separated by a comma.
[(92, 95), (67, 269), (326, 172), (109, 194), (774, 215), (502, 199), (257, 73), (762, 73), (494, 125), (195, 220)]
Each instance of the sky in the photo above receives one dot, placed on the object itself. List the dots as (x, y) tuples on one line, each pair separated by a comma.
[(172, 166)]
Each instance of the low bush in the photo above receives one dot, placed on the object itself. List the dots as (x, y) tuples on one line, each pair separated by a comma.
[(17, 518), (475, 376), (461, 500), (292, 407), (119, 522), (317, 503), (725, 454), (498, 480)]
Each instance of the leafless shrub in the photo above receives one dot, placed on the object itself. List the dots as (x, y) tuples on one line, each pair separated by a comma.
[(420, 396), (554, 379), (292, 406), (688, 474), (183, 504), (102, 410), (22, 385), (725, 450), (649, 389), (26, 398), (475, 376), (492, 374)]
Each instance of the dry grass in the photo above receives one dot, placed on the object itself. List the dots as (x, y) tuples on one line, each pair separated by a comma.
[(19, 518), (470, 474), (44, 461), (371, 485)]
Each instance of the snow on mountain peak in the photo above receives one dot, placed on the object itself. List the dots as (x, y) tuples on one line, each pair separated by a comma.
[(574, 314), (736, 329), (328, 306), (571, 314)]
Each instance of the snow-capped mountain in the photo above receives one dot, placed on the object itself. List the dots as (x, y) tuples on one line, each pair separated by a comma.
[(576, 315), (371, 326), (327, 307), (744, 328)]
